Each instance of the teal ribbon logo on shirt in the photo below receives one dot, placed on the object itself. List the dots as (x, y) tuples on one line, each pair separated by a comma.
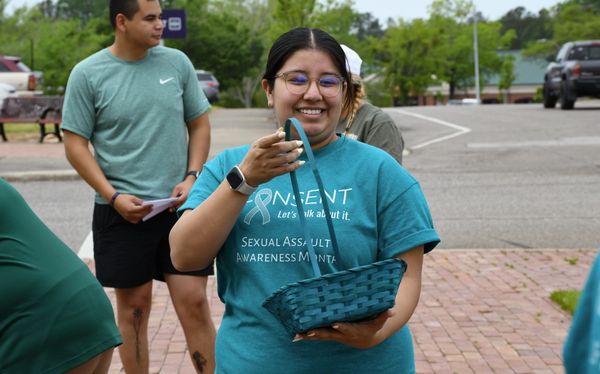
[(261, 199)]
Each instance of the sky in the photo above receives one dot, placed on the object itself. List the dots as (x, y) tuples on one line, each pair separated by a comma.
[(407, 9), (411, 9)]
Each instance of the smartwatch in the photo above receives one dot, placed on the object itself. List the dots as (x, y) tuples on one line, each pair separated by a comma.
[(195, 173), (237, 181)]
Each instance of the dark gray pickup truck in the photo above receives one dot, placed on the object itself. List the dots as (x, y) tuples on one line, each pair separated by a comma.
[(575, 73)]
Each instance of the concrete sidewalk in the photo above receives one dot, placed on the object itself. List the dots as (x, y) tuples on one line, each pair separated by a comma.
[(481, 311)]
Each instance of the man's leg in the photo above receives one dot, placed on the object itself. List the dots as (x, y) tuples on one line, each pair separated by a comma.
[(191, 304), (133, 312)]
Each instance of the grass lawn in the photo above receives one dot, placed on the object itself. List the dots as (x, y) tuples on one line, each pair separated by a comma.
[(24, 131), (567, 299), (15, 128)]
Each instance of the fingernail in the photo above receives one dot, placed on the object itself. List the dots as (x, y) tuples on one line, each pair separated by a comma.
[(311, 334), (301, 162), (297, 339), (299, 150), (299, 143), (281, 134), (335, 327)]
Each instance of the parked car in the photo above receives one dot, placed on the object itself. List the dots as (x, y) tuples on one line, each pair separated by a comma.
[(209, 84), (15, 73), (465, 101), (574, 73), (6, 90)]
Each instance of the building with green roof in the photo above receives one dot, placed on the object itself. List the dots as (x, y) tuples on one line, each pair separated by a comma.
[(529, 77)]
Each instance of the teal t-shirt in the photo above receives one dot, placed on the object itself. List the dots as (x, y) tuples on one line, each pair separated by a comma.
[(134, 113), (378, 212), (582, 348)]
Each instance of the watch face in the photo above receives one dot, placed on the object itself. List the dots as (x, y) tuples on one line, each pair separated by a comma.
[(234, 178)]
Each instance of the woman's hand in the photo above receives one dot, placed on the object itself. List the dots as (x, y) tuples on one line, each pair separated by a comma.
[(269, 157), (361, 335), (367, 334)]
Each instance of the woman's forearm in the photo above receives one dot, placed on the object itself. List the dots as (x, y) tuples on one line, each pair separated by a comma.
[(408, 294), (200, 233)]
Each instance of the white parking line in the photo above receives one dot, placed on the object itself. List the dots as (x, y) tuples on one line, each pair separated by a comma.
[(461, 129), (562, 142), (87, 247)]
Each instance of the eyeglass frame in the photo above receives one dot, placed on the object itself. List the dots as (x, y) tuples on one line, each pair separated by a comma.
[(310, 80)]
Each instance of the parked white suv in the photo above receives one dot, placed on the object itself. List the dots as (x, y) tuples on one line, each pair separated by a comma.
[(6, 90)]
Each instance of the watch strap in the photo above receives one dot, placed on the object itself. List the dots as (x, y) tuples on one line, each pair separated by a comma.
[(195, 173), (245, 188)]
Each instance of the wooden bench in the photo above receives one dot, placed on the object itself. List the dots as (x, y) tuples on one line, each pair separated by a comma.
[(40, 110)]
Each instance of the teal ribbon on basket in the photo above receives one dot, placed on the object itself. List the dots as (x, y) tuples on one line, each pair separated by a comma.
[(349, 295)]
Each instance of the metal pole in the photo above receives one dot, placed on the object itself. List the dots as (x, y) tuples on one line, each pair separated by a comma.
[(31, 58), (477, 94)]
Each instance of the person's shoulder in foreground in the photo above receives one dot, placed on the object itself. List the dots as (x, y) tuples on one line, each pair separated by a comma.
[(54, 315), (581, 351)]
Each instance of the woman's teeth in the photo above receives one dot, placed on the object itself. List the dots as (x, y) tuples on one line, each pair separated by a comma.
[(310, 111)]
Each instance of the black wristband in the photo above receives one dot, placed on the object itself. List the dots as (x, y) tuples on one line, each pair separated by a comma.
[(113, 198), (195, 173)]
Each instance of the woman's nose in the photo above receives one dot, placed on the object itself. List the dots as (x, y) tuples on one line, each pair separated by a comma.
[(313, 92)]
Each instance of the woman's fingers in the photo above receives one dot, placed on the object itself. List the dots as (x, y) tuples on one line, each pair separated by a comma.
[(269, 157), (274, 143), (267, 141)]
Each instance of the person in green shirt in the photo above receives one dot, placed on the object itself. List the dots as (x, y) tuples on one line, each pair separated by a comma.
[(364, 121), (140, 106), (55, 317)]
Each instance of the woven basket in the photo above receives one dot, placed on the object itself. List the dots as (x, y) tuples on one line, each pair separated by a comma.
[(348, 295)]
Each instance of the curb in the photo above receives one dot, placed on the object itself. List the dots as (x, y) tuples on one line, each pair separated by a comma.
[(40, 175)]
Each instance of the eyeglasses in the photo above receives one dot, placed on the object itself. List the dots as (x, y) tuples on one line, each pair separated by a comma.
[(298, 83)]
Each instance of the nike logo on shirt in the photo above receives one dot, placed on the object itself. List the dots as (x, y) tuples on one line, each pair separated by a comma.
[(163, 81)]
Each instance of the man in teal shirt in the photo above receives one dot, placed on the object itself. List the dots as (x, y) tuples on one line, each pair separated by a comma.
[(138, 103)]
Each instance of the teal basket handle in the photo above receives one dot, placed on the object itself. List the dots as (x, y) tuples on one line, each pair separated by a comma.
[(313, 166)]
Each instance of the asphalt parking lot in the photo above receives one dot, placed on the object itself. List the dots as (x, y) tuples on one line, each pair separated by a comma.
[(496, 176)]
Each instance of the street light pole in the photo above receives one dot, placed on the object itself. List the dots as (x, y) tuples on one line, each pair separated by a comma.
[(476, 53), (31, 58)]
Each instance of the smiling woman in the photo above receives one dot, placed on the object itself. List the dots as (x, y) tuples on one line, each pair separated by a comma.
[(239, 211)]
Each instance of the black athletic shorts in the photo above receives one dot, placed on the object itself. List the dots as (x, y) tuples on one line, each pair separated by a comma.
[(129, 255)]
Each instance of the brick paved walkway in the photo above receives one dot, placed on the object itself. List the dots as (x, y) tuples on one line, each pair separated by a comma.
[(484, 311)]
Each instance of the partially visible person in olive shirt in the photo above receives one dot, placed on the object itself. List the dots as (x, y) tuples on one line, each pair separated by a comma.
[(366, 122)]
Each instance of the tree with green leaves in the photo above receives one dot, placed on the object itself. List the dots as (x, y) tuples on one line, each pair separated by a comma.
[(453, 21), (408, 51), (221, 39), (572, 21), (81, 10), (287, 14), (527, 26), (575, 22), (593, 5), (507, 76)]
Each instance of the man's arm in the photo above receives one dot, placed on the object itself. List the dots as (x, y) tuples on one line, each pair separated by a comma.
[(199, 130), (81, 158), (199, 145)]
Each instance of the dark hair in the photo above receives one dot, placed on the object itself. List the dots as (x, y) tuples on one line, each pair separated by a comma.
[(128, 8), (306, 38)]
